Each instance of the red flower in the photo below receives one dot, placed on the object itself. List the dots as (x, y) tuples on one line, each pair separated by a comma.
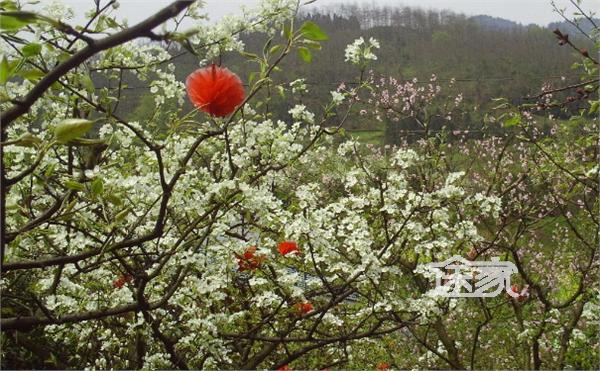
[(303, 308), (249, 261), (120, 282), (522, 294), (287, 247), (515, 288), (284, 368), (472, 254), (383, 366), (215, 90), (249, 253)]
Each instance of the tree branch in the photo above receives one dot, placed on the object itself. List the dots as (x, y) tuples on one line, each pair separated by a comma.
[(139, 30)]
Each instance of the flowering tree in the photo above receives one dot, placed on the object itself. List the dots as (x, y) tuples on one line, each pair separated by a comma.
[(544, 173), (226, 238)]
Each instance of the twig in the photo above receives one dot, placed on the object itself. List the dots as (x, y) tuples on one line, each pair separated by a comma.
[(139, 30)]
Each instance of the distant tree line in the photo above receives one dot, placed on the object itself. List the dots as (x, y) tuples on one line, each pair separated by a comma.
[(488, 57)]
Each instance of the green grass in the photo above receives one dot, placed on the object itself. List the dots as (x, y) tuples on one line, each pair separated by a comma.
[(368, 136)]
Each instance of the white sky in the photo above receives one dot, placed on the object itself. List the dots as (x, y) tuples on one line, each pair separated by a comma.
[(522, 11)]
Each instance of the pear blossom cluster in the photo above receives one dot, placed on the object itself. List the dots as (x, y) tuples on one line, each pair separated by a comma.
[(360, 52)]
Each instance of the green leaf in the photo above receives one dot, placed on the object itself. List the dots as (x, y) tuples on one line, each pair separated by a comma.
[(63, 56), (101, 24), (87, 83), (189, 47), (32, 75), (267, 46), (97, 186), (4, 69), (305, 54), (594, 107), (27, 140), (8, 5), (15, 66), (121, 215), (249, 55), (76, 186), (112, 23), (67, 206), (287, 31), (313, 44), (49, 170), (512, 121), (114, 199), (85, 142), (275, 49), (31, 49), (251, 77), (13, 21), (70, 129), (488, 119), (311, 31), (281, 91)]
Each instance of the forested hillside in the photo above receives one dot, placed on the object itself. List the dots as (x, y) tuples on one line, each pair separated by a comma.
[(486, 57)]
